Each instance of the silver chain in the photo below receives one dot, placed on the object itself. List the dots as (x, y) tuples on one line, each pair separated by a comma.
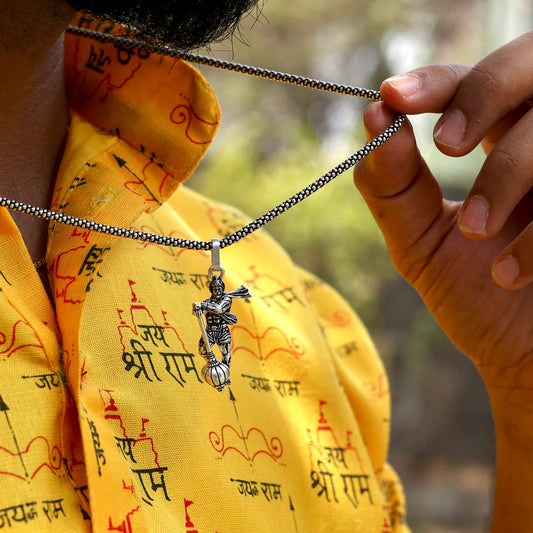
[(235, 67)]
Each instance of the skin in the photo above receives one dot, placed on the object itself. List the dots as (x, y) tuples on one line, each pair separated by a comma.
[(34, 113), (472, 263)]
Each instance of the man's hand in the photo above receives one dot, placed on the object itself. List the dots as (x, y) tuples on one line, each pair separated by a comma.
[(472, 263), (452, 254)]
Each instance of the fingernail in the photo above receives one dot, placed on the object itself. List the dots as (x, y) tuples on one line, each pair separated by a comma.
[(506, 271), (405, 84), (451, 129), (475, 216)]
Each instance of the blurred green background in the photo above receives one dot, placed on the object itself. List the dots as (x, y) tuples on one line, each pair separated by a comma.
[(275, 139)]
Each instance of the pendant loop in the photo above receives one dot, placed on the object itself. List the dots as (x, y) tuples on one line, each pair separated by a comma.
[(215, 269)]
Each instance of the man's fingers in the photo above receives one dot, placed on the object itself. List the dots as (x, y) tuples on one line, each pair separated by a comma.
[(492, 89), (505, 178), (424, 90), (513, 268), (474, 100), (503, 126), (400, 191)]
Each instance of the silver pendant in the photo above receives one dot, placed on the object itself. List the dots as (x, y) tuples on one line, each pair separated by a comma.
[(218, 318)]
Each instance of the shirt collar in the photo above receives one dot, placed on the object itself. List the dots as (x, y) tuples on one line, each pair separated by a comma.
[(140, 124), (160, 106)]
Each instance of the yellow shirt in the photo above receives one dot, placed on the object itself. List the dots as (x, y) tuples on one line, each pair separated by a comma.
[(106, 422)]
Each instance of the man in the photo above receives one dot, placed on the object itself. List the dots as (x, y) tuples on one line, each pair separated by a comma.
[(107, 424)]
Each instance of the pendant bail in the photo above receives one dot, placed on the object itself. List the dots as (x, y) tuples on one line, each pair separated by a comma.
[(215, 269)]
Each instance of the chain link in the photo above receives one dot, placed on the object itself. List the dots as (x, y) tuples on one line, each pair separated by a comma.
[(234, 67)]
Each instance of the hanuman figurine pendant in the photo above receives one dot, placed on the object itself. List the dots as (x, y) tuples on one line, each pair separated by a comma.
[(218, 317)]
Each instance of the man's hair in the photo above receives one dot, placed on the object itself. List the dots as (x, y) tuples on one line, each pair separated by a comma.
[(185, 25)]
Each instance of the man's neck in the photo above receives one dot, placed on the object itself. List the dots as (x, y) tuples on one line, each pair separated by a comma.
[(33, 108)]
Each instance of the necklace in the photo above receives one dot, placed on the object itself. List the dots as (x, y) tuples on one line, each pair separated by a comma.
[(217, 307)]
